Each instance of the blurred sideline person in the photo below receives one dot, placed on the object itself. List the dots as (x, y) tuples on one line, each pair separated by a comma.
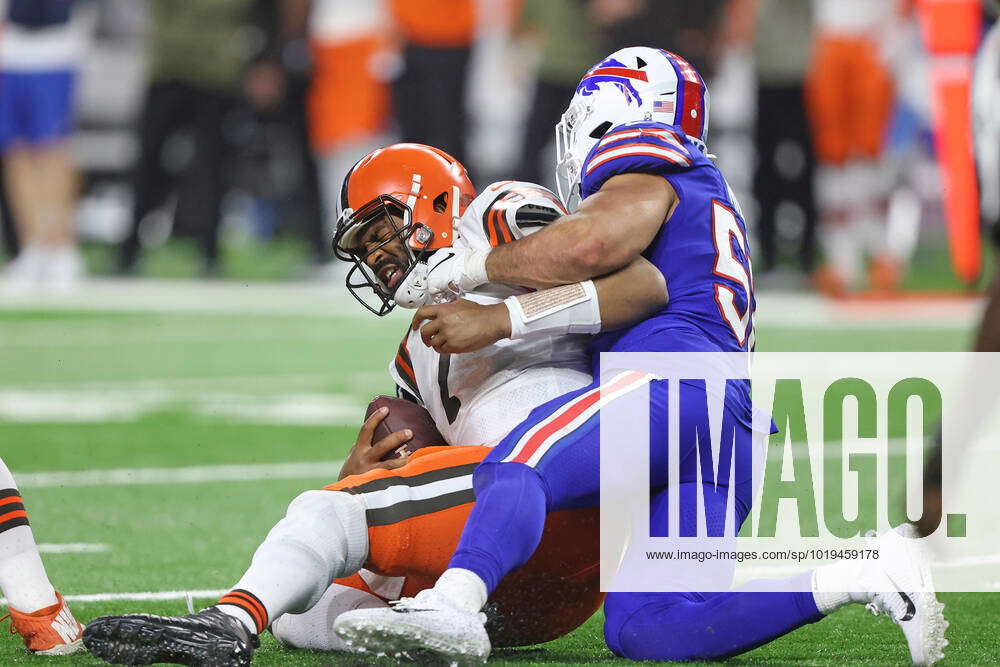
[(850, 92), (428, 97), (780, 33), (197, 57), (565, 34), (277, 84), (350, 58), (40, 48), (36, 611), (986, 128)]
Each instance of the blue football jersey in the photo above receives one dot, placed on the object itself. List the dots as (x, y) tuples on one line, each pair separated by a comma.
[(702, 249)]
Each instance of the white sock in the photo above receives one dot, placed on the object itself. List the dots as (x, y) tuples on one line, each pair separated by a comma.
[(463, 588), (835, 585), (837, 234), (22, 575), (322, 537), (240, 615)]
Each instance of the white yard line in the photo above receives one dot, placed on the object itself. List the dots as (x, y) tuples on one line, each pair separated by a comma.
[(74, 548), (127, 403), (166, 296), (205, 384), (47, 338), (758, 571), (807, 310), (148, 596), (187, 475)]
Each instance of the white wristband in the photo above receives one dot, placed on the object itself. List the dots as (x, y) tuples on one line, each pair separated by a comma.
[(570, 309)]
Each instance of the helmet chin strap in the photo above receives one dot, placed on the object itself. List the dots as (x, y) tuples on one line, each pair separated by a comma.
[(456, 195), (410, 293)]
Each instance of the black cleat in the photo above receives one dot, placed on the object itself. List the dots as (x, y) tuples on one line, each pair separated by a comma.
[(210, 638)]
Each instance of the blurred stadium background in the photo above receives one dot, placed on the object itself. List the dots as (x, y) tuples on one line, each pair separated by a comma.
[(181, 359)]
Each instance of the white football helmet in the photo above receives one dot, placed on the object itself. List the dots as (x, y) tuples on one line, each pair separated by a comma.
[(986, 123), (635, 84)]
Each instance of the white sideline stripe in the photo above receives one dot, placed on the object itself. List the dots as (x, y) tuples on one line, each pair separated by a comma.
[(188, 475), (68, 404), (149, 596), (323, 300), (73, 548)]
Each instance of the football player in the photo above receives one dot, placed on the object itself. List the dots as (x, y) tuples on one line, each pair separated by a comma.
[(853, 181), (37, 611), (631, 146), (986, 126), (401, 522)]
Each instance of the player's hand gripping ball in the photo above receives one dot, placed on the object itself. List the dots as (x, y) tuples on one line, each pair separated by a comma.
[(394, 428)]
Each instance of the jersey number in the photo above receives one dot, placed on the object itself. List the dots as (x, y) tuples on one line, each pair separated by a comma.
[(726, 231), (450, 403)]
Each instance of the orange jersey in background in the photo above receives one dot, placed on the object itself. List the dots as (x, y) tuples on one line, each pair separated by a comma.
[(849, 93), (347, 99), (436, 23)]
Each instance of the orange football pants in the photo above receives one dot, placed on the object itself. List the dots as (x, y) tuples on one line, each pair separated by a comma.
[(416, 515), (849, 94), (346, 100)]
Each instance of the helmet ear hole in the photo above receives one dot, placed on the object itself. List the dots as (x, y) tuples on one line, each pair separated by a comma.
[(600, 130), (441, 203)]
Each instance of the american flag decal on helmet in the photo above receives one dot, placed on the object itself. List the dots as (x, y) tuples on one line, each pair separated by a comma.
[(666, 106)]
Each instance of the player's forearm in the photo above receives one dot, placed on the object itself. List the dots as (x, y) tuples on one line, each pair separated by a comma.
[(630, 295), (609, 231), (561, 254)]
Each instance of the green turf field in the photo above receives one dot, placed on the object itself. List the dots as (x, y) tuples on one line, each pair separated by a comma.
[(118, 422)]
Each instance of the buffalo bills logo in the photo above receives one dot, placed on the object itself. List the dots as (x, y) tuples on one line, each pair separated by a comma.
[(616, 73)]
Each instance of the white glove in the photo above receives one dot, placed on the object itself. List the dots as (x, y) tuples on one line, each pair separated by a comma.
[(448, 274)]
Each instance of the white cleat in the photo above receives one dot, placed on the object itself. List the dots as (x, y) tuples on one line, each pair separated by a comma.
[(899, 585), (421, 627)]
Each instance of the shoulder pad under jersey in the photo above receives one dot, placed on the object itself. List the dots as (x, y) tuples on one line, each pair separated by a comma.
[(653, 148), (506, 211)]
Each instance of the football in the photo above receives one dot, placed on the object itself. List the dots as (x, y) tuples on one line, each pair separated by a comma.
[(405, 414)]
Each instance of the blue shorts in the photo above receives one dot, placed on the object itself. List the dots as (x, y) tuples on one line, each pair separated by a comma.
[(35, 107)]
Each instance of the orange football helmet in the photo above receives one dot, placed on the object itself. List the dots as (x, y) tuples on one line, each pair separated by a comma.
[(421, 191)]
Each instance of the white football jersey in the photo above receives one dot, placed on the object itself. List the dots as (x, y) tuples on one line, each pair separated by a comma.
[(853, 17), (479, 397)]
